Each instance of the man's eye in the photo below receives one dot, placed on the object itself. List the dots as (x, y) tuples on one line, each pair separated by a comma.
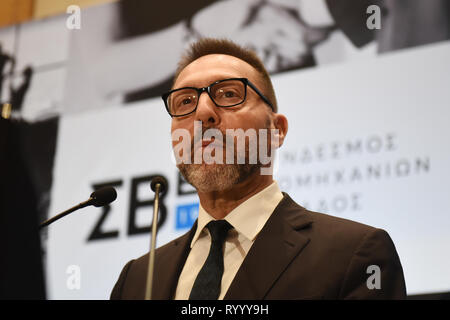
[(226, 93), (229, 94), (186, 101)]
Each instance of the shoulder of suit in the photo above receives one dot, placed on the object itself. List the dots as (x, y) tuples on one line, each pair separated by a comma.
[(337, 222), (164, 249)]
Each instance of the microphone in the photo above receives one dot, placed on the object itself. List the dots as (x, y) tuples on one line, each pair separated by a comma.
[(158, 185), (98, 198), (162, 184)]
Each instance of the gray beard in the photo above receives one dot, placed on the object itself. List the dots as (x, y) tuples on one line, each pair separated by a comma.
[(219, 177), (216, 177)]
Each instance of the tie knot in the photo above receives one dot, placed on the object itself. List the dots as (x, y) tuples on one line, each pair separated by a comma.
[(218, 230)]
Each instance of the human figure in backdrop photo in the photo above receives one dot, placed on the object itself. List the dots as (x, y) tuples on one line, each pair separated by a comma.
[(251, 241), (5, 58)]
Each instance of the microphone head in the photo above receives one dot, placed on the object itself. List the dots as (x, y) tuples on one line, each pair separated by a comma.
[(103, 196), (162, 182)]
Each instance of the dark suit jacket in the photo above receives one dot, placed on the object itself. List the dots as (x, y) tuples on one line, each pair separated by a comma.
[(298, 254)]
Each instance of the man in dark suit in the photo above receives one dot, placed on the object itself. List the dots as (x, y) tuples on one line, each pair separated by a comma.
[(251, 241)]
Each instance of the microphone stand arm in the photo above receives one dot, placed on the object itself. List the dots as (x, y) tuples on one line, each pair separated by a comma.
[(151, 260), (64, 213)]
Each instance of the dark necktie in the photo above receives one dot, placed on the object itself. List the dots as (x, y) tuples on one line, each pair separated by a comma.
[(208, 281)]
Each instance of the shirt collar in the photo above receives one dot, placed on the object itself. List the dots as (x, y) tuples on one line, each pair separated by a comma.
[(249, 217)]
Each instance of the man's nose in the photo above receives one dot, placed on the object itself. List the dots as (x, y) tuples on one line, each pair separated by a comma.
[(206, 111)]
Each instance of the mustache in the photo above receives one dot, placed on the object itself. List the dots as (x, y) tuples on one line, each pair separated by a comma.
[(221, 138), (223, 146), (212, 133)]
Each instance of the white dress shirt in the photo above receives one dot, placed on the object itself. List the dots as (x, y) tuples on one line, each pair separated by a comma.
[(247, 220)]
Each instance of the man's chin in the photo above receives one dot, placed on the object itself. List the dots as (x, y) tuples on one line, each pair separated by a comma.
[(215, 177)]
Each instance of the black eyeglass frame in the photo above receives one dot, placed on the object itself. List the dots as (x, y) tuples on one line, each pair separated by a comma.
[(207, 89)]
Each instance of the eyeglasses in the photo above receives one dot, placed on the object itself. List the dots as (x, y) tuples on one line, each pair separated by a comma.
[(224, 93)]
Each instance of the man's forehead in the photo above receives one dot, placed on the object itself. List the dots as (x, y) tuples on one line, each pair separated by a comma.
[(213, 67)]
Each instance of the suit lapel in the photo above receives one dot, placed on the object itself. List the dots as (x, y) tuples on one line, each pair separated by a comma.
[(274, 248), (168, 266)]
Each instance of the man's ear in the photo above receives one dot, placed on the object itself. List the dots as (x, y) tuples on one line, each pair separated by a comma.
[(281, 123)]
